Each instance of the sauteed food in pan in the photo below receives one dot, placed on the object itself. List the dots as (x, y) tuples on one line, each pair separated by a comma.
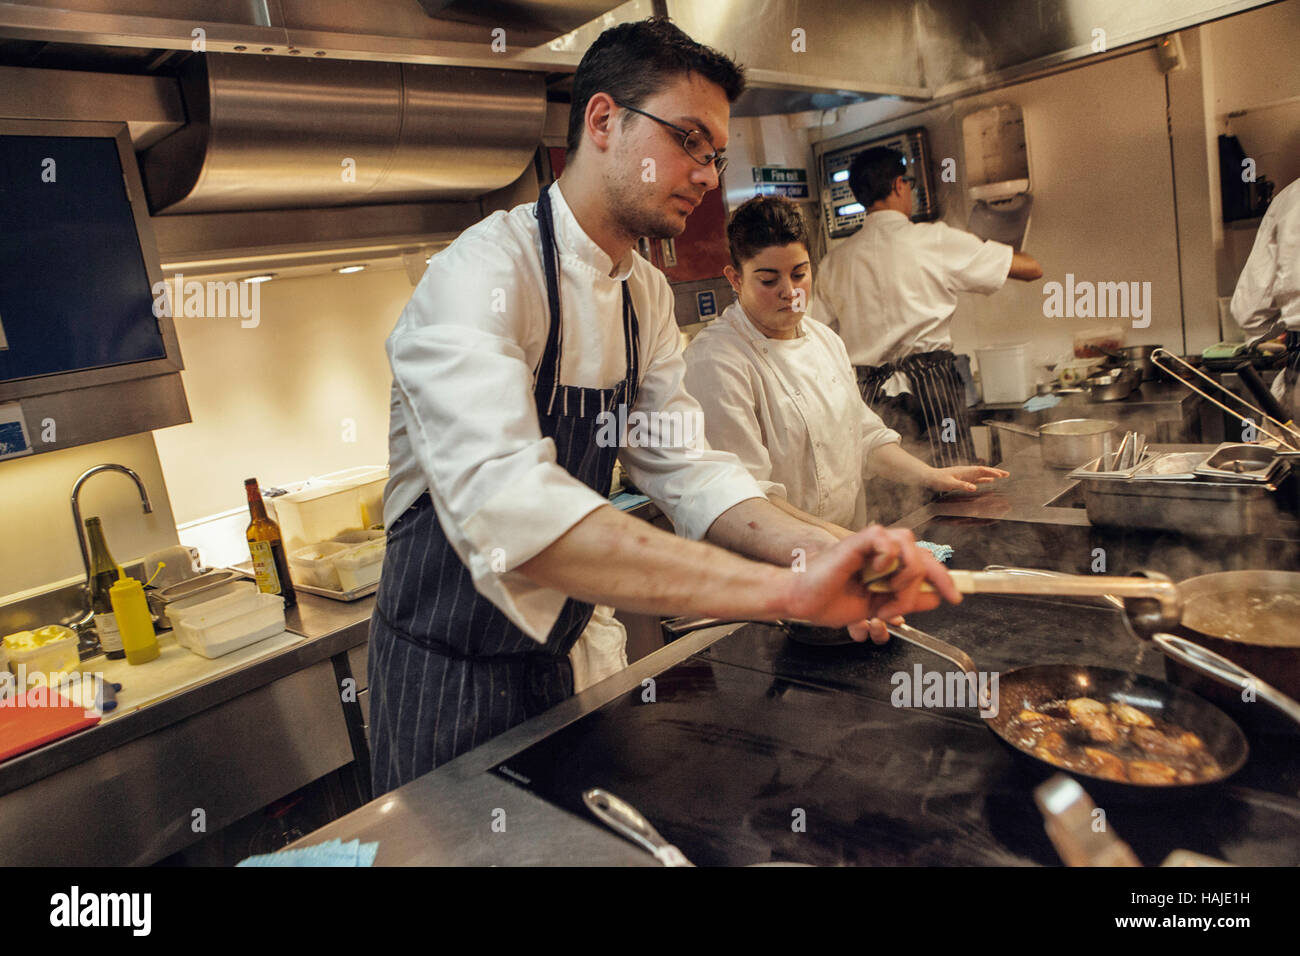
[(1115, 741)]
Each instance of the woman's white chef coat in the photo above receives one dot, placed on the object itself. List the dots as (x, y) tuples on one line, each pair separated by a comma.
[(790, 410)]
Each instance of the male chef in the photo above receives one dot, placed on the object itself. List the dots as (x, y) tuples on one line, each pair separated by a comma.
[(1267, 297), (521, 340), (890, 290)]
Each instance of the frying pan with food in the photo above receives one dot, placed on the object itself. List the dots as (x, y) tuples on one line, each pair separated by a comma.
[(1165, 741)]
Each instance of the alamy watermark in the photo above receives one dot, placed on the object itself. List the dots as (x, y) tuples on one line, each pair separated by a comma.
[(210, 299), (954, 689), (1085, 299), (654, 429)]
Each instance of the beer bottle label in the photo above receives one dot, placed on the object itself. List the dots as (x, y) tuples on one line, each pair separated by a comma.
[(268, 580)]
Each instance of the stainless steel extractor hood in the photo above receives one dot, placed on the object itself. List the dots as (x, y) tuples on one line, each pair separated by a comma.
[(276, 133)]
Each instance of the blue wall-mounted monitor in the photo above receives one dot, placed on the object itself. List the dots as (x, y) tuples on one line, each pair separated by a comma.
[(78, 265)]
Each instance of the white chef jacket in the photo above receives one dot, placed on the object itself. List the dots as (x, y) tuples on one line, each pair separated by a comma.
[(463, 422), (790, 410), (1267, 297), (890, 288)]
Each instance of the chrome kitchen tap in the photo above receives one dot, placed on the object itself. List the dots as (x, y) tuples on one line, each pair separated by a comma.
[(88, 613)]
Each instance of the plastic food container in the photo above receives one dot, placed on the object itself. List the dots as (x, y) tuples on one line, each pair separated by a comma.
[(1005, 374), (1090, 342), (49, 649), (361, 565), (314, 564), (229, 622), (330, 505)]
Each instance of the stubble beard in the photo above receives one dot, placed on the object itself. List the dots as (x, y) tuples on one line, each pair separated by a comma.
[(629, 207)]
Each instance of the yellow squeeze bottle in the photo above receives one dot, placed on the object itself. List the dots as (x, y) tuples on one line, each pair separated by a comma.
[(133, 619)]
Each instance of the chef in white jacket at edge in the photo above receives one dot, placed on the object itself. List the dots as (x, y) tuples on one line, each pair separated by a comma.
[(520, 341), (1267, 297), (778, 390)]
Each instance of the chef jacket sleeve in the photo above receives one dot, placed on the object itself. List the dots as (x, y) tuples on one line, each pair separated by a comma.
[(973, 264), (719, 380), (1254, 301), (466, 395), (671, 459)]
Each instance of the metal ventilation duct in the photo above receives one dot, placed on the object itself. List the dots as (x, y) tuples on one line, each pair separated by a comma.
[(274, 133)]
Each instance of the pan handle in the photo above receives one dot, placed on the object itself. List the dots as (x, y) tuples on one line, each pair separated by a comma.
[(1219, 668), (1008, 426), (1110, 599), (953, 655), (626, 820)]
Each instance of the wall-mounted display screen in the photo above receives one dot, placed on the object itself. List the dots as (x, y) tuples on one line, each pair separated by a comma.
[(844, 214), (75, 292)]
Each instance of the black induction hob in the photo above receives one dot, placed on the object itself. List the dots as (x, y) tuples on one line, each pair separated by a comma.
[(738, 765)]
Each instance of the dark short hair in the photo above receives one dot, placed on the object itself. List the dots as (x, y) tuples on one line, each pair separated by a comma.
[(633, 61), (872, 175), (762, 222)]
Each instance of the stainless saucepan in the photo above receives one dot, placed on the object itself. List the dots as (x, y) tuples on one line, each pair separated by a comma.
[(1068, 443)]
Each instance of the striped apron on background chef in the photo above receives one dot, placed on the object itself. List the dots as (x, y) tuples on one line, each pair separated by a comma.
[(447, 669), (938, 396)]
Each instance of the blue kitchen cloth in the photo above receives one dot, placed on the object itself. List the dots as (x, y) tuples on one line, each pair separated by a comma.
[(624, 501), (1040, 402), (941, 551), (330, 853)]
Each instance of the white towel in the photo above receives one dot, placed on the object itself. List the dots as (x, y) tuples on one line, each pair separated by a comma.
[(600, 651)]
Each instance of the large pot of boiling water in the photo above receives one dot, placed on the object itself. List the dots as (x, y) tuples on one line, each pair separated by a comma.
[(1250, 617)]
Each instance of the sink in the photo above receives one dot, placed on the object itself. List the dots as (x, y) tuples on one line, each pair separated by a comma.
[(56, 606)]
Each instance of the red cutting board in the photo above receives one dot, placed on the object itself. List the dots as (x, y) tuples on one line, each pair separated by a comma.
[(44, 717)]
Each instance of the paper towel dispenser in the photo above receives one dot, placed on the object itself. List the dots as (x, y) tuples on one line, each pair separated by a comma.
[(997, 174)]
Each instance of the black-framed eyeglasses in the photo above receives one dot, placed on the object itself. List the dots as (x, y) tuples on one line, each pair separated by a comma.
[(694, 141)]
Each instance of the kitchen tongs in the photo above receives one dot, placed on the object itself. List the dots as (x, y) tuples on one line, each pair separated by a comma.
[(1290, 443)]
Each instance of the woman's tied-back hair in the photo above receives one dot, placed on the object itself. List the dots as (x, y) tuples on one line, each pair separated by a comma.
[(633, 61), (762, 222)]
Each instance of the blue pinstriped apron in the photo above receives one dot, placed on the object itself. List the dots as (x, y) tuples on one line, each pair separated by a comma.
[(447, 669)]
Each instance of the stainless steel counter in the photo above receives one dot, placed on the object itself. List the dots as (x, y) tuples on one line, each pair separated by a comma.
[(330, 628), (1164, 411), (462, 815)]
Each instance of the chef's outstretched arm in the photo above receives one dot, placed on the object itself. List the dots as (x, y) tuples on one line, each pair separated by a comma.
[(1024, 267), (891, 461), (610, 558)]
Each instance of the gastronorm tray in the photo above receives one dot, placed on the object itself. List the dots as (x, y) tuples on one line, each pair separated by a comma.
[(1196, 507), (1253, 462)]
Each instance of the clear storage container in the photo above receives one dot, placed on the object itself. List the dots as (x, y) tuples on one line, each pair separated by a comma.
[(342, 501), (314, 564), (46, 650), (230, 622), (361, 565), (1005, 373)]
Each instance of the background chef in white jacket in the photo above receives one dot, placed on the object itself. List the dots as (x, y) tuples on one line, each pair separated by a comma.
[(778, 390), (890, 290), (1267, 298)]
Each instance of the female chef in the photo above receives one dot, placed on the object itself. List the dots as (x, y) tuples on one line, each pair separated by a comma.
[(778, 391)]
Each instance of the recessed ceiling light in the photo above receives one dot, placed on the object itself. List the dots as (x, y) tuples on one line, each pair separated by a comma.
[(345, 270), (264, 277)]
